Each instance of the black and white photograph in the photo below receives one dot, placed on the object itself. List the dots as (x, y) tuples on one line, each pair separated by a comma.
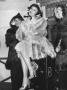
[(33, 45)]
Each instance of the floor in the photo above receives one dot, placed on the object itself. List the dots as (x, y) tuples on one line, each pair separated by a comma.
[(5, 86)]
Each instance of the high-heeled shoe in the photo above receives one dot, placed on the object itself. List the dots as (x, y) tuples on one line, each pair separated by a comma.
[(24, 87), (30, 77)]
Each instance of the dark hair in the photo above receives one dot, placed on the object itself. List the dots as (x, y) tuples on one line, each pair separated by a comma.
[(62, 7), (18, 16), (39, 11)]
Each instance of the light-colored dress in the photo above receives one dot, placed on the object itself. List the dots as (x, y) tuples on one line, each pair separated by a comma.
[(34, 33)]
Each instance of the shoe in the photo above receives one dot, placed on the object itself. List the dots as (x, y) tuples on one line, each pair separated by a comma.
[(24, 87), (30, 77)]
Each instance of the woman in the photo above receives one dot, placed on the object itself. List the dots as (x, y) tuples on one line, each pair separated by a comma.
[(61, 27), (34, 43), (39, 31), (23, 51), (60, 16), (13, 62), (60, 41)]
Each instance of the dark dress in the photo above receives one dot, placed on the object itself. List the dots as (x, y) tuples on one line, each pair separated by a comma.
[(60, 32), (13, 63)]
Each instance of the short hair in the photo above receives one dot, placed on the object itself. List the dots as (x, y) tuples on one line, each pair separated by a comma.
[(18, 16), (38, 8), (62, 6)]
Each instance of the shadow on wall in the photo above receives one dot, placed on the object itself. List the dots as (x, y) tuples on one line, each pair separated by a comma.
[(1, 77), (4, 73), (3, 48)]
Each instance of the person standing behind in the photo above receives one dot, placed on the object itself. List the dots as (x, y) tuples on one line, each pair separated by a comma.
[(13, 62), (60, 41), (59, 29)]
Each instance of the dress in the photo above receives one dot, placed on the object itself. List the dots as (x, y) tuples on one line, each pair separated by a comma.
[(13, 63), (35, 33), (61, 60)]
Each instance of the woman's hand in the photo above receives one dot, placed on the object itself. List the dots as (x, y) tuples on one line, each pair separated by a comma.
[(57, 49), (59, 46)]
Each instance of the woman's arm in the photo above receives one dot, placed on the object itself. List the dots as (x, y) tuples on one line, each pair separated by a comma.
[(20, 34), (40, 28)]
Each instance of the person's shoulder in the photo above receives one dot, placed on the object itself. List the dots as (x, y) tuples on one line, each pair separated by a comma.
[(9, 30)]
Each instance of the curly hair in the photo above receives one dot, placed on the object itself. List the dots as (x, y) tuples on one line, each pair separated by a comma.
[(38, 8), (62, 6)]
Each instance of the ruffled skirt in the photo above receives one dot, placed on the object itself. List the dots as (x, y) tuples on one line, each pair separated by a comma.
[(25, 47)]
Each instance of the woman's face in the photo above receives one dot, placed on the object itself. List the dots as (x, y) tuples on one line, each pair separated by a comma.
[(58, 13), (33, 11)]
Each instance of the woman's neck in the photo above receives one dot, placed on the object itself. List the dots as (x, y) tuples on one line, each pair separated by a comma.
[(34, 18)]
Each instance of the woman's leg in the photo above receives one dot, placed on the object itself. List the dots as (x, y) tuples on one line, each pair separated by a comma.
[(26, 65), (25, 74), (29, 66), (25, 71)]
